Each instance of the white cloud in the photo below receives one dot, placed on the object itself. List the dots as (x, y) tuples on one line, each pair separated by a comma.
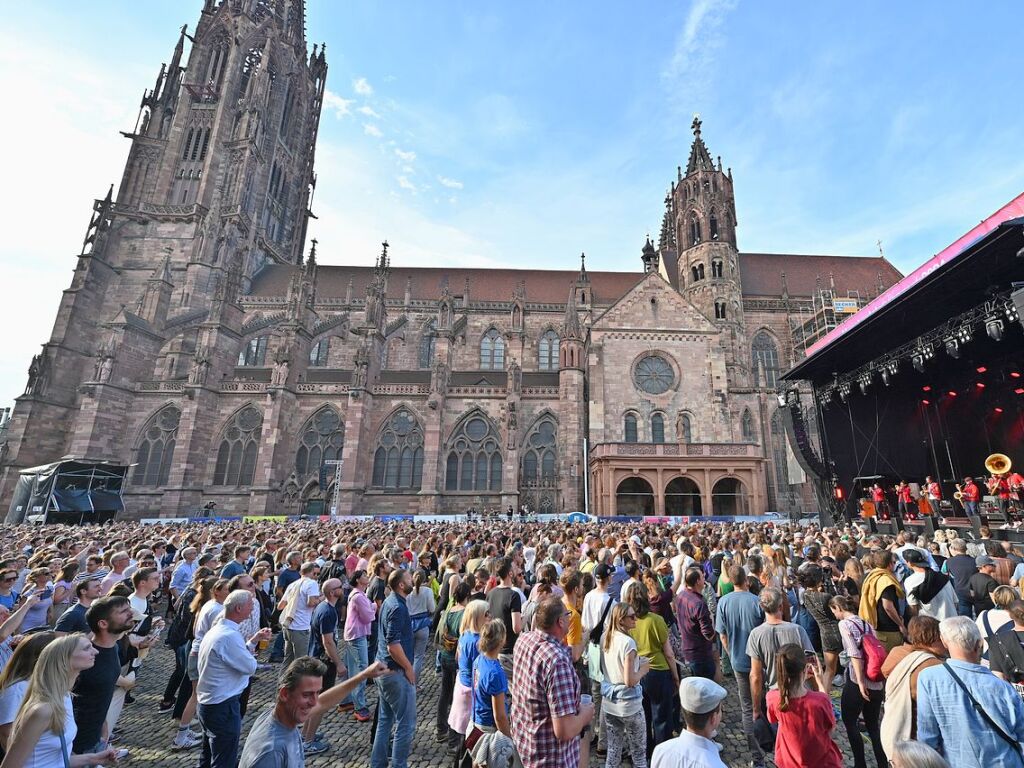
[(689, 73), (450, 183), (362, 87), (368, 111), (404, 183), (406, 156), (336, 104), (372, 130)]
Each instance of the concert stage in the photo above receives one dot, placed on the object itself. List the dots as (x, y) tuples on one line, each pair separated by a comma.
[(928, 379)]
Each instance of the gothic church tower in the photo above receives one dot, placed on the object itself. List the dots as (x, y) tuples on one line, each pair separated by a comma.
[(218, 183), (700, 227)]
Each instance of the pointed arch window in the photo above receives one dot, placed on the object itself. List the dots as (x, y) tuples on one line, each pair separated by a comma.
[(719, 309), (548, 351), (629, 428), (747, 425), (239, 446), (694, 230), (321, 439), (318, 353), (249, 65), (155, 453), (427, 341), (398, 460), (254, 353), (474, 457), (492, 351), (717, 268), (218, 60), (539, 457), (766, 360), (657, 428), (713, 227)]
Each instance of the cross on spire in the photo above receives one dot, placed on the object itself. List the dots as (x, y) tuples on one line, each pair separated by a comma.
[(696, 124)]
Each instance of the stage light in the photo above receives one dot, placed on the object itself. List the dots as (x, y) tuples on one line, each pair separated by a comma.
[(981, 369), (1015, 374), (839, 493), (926, 388), (1019, 391), (844, 391), (979, 385), (951, 393), (998, 409), (926, 402), (964, 334), (864, 381), (1010, 310), (885, 376), (994, 327), (952, 347), (917, 361)]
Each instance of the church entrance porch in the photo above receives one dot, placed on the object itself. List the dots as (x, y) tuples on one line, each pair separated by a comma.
[(681, 479)]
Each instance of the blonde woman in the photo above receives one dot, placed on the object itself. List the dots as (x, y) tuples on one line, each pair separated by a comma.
[(621, 695), (996, 619), (476, 615), (45, 726)]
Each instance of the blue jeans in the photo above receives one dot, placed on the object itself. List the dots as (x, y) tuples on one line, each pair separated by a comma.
[(277, 649), (703, 669), (658, 695), (398, 711), (356, 661), (222, 726), (964, 607)]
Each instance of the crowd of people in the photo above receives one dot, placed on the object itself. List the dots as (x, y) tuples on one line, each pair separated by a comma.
[(555, 645)]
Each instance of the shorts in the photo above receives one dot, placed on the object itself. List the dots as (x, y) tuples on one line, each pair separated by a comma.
[(192, 667), (330, 676)]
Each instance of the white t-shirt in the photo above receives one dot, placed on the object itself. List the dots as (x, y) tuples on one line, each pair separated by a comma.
[(679, 565), (10, 701), (615, 673), (302, 614), (942, 606), (687, 750)]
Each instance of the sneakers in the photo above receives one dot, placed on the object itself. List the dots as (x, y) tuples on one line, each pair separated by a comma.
[(314, 747), (166, 706), (362, 716), (186, 740)]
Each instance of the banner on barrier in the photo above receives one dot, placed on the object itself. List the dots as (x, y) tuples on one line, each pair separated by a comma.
[(258, 518)]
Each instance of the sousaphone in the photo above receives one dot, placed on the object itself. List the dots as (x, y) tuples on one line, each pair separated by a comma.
[(998, 464)]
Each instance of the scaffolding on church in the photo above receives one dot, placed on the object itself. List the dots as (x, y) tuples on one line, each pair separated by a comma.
[(827, 311)]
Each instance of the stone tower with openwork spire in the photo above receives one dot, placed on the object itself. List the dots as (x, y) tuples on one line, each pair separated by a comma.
[(700, 227), (217, 184)]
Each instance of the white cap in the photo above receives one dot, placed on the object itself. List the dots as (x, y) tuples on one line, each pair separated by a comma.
[(700, 695)]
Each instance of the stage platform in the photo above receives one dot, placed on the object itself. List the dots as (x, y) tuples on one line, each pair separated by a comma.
[(962, 525)]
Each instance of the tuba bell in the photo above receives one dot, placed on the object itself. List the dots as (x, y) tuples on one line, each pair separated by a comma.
[(998, 464)]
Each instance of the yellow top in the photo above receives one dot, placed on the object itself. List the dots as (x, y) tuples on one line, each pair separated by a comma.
[(650, 634), (575, 634)]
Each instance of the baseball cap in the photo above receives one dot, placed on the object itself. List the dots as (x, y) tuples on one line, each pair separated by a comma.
[(603, 571), (700, 695), (914, 557), (982, 560)]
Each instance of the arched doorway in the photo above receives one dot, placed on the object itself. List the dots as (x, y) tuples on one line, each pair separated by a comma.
[(634, 496), (682, 497), (729, 497)]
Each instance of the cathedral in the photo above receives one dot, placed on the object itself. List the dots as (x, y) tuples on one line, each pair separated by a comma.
[(201, 342)]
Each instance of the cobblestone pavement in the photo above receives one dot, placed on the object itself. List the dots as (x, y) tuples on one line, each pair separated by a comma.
[(148, 733)]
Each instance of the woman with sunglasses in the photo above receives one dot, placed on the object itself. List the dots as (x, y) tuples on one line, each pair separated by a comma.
[(621, 695)]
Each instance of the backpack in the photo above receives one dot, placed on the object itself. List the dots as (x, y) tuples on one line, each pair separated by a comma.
[(874, 654), (446, 640)]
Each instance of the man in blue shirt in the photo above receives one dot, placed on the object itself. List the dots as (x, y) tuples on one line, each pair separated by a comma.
[(323, 645), (397, 689), (738, 614), (237, 566), (950, 722)]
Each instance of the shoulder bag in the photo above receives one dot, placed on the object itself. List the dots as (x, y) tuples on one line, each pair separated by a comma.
[(985, 715)]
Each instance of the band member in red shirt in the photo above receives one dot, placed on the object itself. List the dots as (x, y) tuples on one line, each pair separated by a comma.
[(933, 492), (999, 486), (971, 496), (881, 505), (905, 501)]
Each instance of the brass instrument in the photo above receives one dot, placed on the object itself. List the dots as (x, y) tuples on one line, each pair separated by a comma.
[(998, 464), (959, 495)]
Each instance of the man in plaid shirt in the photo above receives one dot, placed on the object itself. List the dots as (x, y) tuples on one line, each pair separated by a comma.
[(547, 715)]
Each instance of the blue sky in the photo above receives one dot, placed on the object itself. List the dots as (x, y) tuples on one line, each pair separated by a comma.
[(521, 134)]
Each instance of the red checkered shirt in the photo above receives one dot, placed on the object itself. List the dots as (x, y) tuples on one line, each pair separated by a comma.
[(544, 686)]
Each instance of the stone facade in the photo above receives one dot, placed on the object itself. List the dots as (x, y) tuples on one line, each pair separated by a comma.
[(199, 343)]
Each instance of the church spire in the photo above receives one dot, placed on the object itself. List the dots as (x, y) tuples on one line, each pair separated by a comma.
[(700, 158), (649, 256), (571, 326)]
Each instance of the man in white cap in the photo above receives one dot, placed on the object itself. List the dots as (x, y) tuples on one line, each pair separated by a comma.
[(701, 700)]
